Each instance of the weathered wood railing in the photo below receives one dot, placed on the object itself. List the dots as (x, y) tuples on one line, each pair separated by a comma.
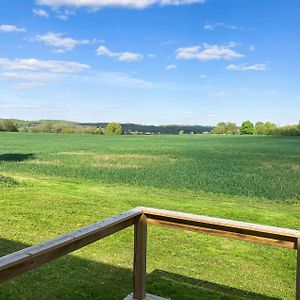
[(29, 258)]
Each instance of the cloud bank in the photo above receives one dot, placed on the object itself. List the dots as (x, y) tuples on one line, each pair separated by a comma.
[(98, 4), (30, 73)]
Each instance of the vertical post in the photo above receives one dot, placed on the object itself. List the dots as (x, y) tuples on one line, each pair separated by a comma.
[(140, 248), (298, 271)]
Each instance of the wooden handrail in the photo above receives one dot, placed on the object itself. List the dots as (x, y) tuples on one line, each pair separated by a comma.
[(263, 234), (29, 258)]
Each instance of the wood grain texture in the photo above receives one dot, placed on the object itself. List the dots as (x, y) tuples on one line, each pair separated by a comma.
[(271, 235), (140, 253), (29, 258), (298, 271)]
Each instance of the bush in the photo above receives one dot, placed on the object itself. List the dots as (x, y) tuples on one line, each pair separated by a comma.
[(113, 129), (9, 125)]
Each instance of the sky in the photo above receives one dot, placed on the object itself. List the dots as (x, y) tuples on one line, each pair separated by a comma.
[(150, 61)]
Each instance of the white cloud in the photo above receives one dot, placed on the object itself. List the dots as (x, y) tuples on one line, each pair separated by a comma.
[(32, 73), (121, 56), (98, 4), (123, 80), (171, 67), (41, 13), (32, 64), (29, 76), (151, 56), (247, 67), (58, 41), (11, 28), (64, 15), (213, 26), (208, 52)]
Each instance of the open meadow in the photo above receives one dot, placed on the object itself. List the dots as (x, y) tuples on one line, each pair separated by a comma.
[(61, 182)]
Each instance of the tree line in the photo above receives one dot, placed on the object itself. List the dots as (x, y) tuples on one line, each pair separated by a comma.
[(259, 128), (58, 126), (114, 128)]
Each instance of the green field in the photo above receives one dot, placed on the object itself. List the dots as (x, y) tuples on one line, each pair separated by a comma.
[(68, 181)]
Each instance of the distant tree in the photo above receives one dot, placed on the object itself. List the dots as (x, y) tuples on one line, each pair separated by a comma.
[(113, 129), (247, 128), (219, 129), (9, 125), (88, 130), (68, 129), (269, 128), (44, 127), (62, 127), (225, 128), (24, 129), (231, 128), (98, 130), (259, 128), (290, 130), (181, 132), (2, 126)]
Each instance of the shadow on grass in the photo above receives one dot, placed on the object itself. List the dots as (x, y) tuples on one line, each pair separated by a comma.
[(177, 287), (71, 277), (16, 156)]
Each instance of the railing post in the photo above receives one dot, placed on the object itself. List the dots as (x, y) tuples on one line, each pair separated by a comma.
[(140, 248), (298, 271)]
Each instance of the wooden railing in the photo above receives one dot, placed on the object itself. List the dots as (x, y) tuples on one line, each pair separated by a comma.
[(29, 258)]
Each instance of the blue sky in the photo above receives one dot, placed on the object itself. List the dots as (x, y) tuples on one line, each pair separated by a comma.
[(150, 61)]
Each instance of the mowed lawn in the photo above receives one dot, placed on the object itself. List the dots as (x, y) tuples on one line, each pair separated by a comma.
[(68, 181)]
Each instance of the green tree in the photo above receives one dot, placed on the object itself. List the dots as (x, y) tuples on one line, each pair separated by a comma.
[(225, 128), (269, 128), (113, 129), (181, 132), (44, 127), (259, 128), (231, 128), (9, 125), (247, 128), (2, 126), (219, 129)]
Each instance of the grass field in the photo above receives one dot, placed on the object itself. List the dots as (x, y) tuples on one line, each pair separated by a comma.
[(68, 181)]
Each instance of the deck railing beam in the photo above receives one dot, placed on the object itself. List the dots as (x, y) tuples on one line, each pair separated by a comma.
[(29, 258)]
